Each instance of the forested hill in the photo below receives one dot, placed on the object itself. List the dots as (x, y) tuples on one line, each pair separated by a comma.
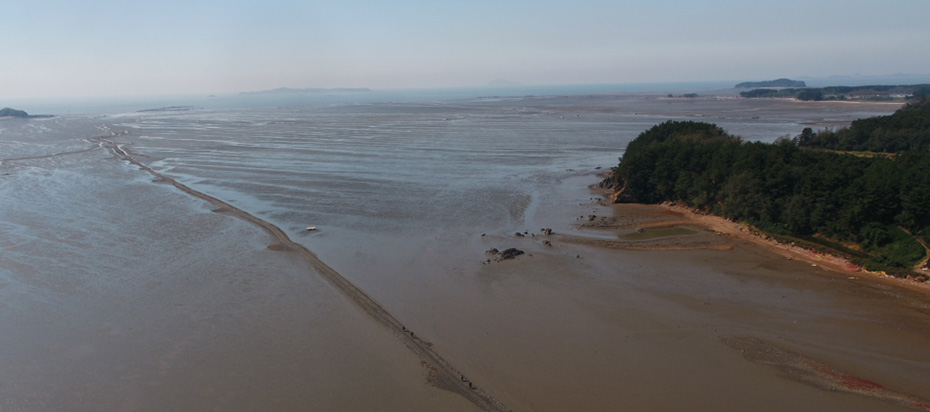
[(813, 195), (865, 93), (8, 112), (906, 129)]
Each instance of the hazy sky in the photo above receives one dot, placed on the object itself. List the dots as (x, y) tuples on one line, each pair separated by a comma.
[(99, 47)]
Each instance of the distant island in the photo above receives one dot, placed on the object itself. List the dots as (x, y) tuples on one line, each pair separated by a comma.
[(7, 113), (772, 83), (309, 90), (168, 109), (870, 93)]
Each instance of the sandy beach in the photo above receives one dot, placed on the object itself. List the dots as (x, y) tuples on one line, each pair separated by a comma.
[(587, 266), (723, 234)]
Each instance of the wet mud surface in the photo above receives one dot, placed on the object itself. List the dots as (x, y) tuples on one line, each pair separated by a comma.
[(121, 290)]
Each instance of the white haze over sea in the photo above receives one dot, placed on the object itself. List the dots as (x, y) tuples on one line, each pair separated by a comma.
[(120, 104)]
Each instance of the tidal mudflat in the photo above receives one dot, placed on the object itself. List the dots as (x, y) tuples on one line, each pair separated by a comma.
[(121, 291)]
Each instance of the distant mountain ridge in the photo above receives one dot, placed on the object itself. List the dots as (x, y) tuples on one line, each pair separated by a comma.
[(309, 90), (772, 83)]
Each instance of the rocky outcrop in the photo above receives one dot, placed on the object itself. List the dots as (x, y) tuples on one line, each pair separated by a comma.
[(507, 254), (618, 192)]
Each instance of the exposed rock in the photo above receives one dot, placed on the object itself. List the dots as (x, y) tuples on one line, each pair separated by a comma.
[(509, 254), (607, 183), (618, 190), (505, 255)]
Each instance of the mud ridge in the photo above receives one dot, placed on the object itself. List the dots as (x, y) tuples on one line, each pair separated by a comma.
[(801, 368), (441, 373), (99, 145)]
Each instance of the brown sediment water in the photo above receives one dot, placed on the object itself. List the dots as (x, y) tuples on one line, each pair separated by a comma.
[(441, 373), (794, 365), (191, 309)]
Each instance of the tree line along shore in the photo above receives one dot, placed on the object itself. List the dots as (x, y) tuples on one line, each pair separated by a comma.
[(784, 88), (861, 192)]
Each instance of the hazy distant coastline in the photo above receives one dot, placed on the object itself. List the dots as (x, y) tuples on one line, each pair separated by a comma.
[(7, 113), (309, 90), (898, 93), (503, 83), (772, 83)]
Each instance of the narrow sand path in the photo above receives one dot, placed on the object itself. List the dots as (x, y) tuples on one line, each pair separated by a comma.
[(441, 373)]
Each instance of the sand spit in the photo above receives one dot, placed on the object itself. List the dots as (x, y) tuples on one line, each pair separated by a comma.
[(659, 228), (99, 145), (657, 239), (646, 227), (721, 234), (833, 263), (441, 374), (804, 369)]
